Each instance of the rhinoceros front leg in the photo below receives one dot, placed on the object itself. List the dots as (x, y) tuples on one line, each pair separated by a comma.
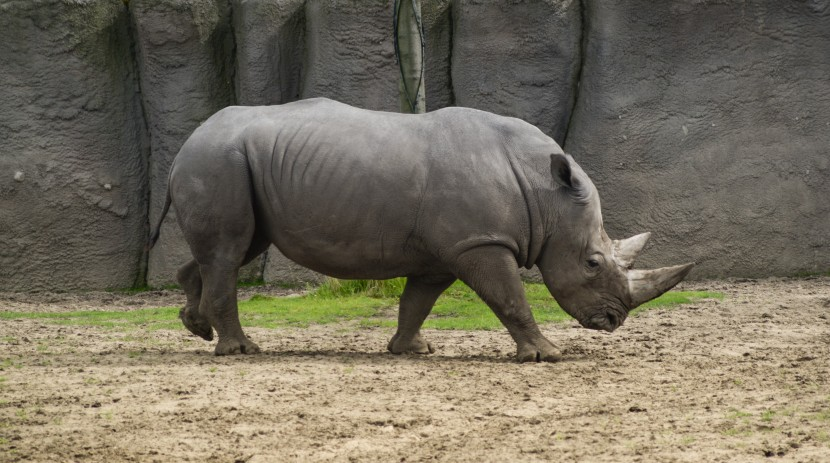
[(491, 272), (418, 297)]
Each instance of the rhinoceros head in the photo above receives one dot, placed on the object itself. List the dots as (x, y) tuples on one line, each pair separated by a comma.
[(588, 273)]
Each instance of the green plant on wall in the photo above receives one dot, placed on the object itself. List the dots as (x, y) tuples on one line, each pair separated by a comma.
[(409, 51)]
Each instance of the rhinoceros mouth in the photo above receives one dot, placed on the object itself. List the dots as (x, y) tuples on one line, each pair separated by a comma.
[(604, 319), (603, 322)]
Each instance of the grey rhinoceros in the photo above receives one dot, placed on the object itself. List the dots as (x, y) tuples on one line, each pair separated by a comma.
[(453, 194)]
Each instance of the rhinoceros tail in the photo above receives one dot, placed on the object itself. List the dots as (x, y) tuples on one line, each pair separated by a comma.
[(154, 234)]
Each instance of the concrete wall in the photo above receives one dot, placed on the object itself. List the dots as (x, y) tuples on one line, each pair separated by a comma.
[(73, 147), (184, 52), (707, 123)]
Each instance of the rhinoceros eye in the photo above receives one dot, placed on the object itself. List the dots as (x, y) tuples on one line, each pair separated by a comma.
[(593, 264)]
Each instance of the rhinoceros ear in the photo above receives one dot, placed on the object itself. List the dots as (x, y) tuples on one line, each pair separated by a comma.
[(560, 167)]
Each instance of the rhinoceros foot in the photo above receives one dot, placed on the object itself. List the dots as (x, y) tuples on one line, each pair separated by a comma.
[(231, 346), (196, 324), (543, 351), (416, 345)]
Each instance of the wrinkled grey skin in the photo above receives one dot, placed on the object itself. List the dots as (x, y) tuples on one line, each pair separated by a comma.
[(453, 194)]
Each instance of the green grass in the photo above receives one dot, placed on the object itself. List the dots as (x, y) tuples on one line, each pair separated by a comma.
[(459, 308), (675, 298), (273, 312), (735, 414), (735, 432), (810, 274), (5, 364), (334, 288), (165, 317)]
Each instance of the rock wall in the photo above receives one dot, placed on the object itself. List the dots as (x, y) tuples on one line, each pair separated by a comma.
[(518, 59), (270, 39), (184, 54), (709, 124), (73, 147), (703, 122)]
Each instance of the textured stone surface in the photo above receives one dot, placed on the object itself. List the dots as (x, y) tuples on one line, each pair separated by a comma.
[(72, 154), (270, 39), (517, 58), (184, 55), (349, 53), (709, 123), (437, 18)]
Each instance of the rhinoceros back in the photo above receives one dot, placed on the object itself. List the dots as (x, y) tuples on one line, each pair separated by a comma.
[(363, 194)]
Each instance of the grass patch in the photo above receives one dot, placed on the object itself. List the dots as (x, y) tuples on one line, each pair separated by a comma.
[(812, 274), (250, 283), (673, 299), (735, 414), (735, 432), (5, 364), (334, 288), (459, 308), (275, 312), (165, 317)]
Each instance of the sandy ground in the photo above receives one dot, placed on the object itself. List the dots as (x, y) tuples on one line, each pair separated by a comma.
[(742, 379)]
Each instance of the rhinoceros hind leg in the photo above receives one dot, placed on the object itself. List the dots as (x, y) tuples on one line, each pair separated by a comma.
[(418, 297), (492, 272), (416, 345), (219, 304), (220, 228), (190, 279), (191, 282), (196, 324), (238, 343)]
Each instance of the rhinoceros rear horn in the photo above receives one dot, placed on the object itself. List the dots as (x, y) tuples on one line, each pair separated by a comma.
[(625, 251), (645, 285)]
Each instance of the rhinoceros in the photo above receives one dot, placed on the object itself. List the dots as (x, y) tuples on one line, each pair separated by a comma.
[(454, 194)]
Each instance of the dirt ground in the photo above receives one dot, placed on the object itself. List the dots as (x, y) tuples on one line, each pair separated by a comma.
[(746, 378)]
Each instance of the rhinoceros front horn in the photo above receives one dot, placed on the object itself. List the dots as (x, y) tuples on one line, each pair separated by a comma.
[(645, 285)]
